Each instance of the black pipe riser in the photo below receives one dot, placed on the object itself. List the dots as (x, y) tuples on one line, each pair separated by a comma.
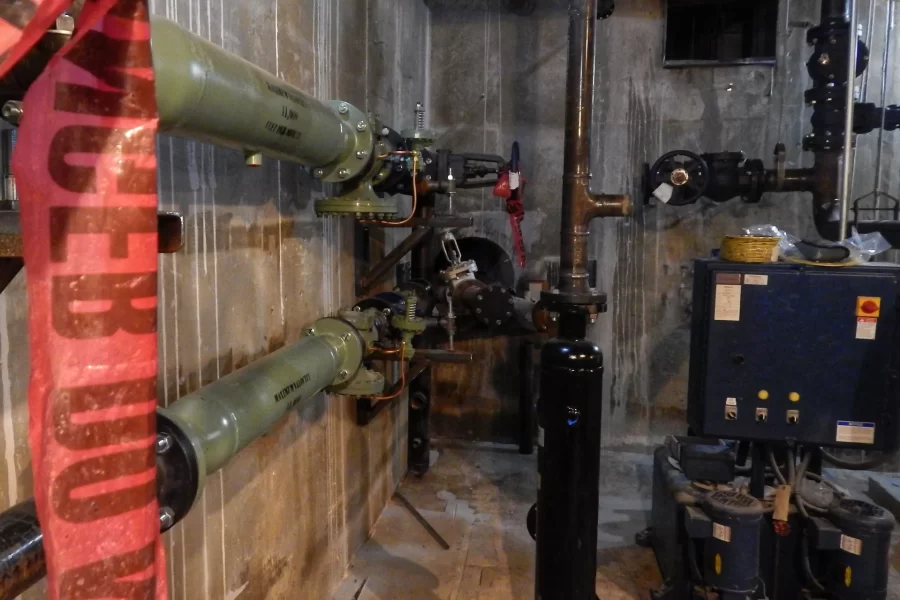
[(569, 414)]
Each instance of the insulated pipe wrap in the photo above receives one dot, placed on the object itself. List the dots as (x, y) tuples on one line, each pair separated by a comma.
[(204, 92)]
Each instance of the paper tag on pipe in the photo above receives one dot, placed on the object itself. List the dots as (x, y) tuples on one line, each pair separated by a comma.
[(782, 503), (663, 193), (85, 163)]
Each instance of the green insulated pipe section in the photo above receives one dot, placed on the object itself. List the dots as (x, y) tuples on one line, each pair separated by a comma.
[(206, 93), (227, 415)]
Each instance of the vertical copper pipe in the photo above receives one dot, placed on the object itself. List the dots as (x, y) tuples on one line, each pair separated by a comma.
[(579, 206)]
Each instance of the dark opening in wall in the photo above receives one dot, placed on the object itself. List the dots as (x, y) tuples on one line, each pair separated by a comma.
[(720, 32)]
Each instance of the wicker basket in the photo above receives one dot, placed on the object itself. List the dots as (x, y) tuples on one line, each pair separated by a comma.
[(750, 249)]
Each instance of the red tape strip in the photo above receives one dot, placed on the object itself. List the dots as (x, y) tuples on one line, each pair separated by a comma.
[(22, 24), (85, 164)]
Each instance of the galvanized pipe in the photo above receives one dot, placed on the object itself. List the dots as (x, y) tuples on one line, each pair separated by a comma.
[(206, 93), (846, 187)]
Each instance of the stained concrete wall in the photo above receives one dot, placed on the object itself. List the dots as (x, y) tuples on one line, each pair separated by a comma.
[(497, 78), (283, 519)]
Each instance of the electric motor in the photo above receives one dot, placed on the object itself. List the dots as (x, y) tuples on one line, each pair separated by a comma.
[(859, 570), (731, 553)]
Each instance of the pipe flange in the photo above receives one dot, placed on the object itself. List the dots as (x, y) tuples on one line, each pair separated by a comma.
[(349, 342), (360, 202), (364, 383), (180, 467), (359, 130), (556, 301)]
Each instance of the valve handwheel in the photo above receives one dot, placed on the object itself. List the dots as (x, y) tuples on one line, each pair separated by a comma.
[(686, 174)]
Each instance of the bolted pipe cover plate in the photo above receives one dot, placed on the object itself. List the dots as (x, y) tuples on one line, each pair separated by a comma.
[(346, 337)]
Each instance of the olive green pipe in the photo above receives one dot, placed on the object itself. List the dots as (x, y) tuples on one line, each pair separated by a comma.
[(206, 93), (227, 415)]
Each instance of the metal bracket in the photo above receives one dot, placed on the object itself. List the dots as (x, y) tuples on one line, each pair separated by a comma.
[(412, 241), (171, 240), (366, 411)]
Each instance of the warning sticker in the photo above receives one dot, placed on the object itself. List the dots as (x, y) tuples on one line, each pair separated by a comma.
[(852, 432), (851, 545), (722, 532), (756, 279), (728, 303), (866, 328)]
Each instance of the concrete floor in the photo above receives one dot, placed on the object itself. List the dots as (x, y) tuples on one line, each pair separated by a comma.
[(477, 497)]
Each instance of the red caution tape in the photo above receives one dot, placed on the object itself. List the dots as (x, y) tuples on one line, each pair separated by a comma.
[(22, 23), (85, 165)]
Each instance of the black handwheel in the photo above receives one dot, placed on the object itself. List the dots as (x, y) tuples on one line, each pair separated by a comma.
[(686, 174)]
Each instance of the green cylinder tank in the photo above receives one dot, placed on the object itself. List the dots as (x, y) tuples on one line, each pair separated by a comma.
[(206, 93)]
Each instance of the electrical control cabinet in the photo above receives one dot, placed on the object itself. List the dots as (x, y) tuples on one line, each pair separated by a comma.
[(785, 351)]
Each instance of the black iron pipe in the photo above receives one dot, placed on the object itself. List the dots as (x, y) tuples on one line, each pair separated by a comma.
[(833, 9), (22, 562), (377, 272), (569, 415), (526, 398)]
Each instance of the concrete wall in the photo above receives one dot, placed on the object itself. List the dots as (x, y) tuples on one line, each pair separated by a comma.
[(283, 519), (497, 78)]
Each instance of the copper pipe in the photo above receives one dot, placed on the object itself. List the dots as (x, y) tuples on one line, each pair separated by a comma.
[(579, 205)]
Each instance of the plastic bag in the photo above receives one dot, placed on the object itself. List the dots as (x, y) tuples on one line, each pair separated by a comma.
[(862, 247)]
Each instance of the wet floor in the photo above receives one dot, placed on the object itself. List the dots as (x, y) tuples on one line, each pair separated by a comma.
[(477, 498)]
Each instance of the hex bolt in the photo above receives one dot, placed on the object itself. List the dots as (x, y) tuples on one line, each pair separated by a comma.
[(344, 374), (362, 126), (163, 443), (12, 112), (319, 173), (385, 131), (310, 332), (480, 297), (344, 173), (344, 108), (166, 518), (362, 154), (499, 322), (346, 337), (477, 311)]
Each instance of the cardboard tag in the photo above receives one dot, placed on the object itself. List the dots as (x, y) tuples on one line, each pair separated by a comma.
[(782, 503), (663, 193)]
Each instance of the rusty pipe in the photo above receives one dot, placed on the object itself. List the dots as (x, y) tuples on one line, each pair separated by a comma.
[(579, 205)]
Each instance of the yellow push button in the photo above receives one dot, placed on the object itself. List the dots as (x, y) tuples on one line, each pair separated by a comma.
[(763, 395), (794, 397)]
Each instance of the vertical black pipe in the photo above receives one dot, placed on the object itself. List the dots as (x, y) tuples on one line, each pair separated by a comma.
[(526, 398), (833, 9), (422, 266), (569, 415)]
